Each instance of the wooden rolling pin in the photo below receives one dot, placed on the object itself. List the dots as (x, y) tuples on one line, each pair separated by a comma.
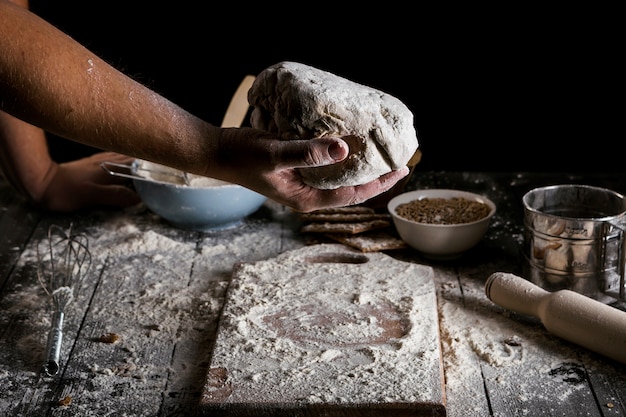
[(564, 313)]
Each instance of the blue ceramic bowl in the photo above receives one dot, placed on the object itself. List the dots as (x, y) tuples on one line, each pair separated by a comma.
[(203, 205)]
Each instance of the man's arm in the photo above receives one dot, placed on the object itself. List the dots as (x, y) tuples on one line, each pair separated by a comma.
[(51, 81)]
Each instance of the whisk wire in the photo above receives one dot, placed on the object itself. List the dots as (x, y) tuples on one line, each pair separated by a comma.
[(68, 261)]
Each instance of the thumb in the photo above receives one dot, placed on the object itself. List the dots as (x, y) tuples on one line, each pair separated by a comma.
[(313, 152)]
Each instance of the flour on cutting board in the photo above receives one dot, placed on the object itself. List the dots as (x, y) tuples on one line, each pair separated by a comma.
[(324, 324)]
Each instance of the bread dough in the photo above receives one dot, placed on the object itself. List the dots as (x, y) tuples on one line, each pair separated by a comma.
[(297, 101)]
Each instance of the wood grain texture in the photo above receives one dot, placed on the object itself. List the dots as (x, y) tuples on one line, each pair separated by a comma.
[(165, 302)]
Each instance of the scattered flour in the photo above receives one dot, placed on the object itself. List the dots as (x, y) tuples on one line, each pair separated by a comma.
[(308, 327), (150, 315), (266, 344), (484, 346)]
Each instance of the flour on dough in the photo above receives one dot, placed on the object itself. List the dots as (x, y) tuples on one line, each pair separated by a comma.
[(297, 101)]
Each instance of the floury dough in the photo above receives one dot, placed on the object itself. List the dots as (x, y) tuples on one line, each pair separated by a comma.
[(297, 101)]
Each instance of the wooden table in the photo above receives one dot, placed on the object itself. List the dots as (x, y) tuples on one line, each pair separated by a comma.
[(156, 292)]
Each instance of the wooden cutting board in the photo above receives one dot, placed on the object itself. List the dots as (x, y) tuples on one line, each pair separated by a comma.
[(327, 331)]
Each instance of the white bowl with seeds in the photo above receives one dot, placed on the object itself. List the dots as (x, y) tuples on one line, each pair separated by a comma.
[(441, 223)]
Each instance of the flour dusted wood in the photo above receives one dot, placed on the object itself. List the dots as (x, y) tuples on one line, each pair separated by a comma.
[(328, 328)]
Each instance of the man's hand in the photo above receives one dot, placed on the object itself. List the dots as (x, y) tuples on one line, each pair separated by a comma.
[(259, 161), (83, 184)]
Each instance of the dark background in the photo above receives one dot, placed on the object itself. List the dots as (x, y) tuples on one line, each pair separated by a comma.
[(491, 90)]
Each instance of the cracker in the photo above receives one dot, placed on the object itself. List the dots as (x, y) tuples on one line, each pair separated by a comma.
[(349, 228), (346, 210), (344, 217), (369, 242)]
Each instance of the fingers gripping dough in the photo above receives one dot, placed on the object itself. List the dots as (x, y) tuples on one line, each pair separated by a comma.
[(297, 101)]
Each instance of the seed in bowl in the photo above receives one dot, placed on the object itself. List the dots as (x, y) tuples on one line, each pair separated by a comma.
[(455, 210)]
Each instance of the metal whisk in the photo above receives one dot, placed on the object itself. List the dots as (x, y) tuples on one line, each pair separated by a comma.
[(61, 273)]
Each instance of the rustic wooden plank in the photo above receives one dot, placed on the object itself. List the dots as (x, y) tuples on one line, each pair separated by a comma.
[(260, 237), (17, 221), (547, 389), (554, 382), (135, 306), (608, 382), (24, 321), (26, 313), (487, 373), (465, 390), (551, 383), (171, 361)]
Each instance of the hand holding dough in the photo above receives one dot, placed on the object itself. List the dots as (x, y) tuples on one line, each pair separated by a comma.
[(296, 101)]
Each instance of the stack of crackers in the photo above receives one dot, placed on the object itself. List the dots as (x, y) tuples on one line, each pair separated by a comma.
[(357, 226)]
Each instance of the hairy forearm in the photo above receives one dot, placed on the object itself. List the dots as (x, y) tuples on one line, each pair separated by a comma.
[(51, 81), (24, 158)]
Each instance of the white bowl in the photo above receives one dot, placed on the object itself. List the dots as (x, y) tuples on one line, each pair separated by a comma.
[(440, 241), (205, 205)]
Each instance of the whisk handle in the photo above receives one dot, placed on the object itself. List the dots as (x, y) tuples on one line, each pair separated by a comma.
[(53, 348)]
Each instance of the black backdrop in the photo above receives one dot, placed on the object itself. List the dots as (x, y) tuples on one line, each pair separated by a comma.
[(497, 90)]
